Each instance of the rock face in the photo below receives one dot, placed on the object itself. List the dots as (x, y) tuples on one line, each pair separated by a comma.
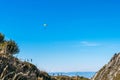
[(110, 71), (12, 68)]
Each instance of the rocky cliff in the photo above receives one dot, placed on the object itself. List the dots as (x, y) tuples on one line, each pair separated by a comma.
[(110, 71), (12, 68)]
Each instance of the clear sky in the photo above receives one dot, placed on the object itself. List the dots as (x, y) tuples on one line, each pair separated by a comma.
[(81, 35)]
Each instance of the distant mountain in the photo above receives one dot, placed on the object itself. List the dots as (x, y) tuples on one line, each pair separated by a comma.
[(110, 71), (84, 74)]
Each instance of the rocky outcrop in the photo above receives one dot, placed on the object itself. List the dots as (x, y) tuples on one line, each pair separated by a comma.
[(110, 71), (12, 68), (69, 78)]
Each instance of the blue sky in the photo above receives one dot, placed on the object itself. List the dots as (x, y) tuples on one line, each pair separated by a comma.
[(80, 35)]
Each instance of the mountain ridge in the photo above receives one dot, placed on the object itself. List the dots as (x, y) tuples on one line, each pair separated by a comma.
[(110, 71), (11, 68)]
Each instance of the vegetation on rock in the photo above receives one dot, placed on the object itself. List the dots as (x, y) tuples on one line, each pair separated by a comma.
[(12, 68), (1, 37), (8, 47)]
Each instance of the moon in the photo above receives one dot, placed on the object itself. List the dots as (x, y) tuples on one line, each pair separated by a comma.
[(44, 25)]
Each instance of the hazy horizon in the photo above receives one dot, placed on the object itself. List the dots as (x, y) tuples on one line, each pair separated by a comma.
[(63, 35)]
